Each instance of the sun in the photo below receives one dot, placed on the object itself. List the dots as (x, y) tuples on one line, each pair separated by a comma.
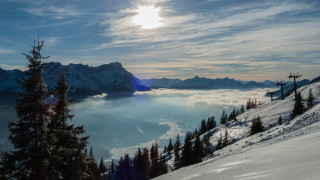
[(148, 17)]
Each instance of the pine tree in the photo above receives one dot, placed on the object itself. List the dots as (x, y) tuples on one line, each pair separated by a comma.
[(211, 123), (225, 141), (280, 120), (298, 107), (112, 168), (102, 167), (170, 146), (29, 134), (223, 118), (256, 126), (186, 155), (203, 127), (145, 164), (68, 157), (232, 115), (310, 102), (177, 158), (242, 110), (198, 153), (92, 170), (220, 143), (206, 145)]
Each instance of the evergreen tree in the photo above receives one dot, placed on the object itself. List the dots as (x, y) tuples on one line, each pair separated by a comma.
[(256, 126), (223, 118), (203, 127), (198, 153), (225, 141), (220, 143), (67, 157), (242, 110), (206, 145), (280, 120), (170, 146), (232, 116), (186, 156), (177, 158), (145, 164), (165, 149), (92, 170), (298, 107), (112, 168), (102, 167), (310, 102), (211, 123), (29, 134)]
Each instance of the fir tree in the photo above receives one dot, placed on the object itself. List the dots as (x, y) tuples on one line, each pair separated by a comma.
[(92, 170), (206, 145), (298, 107), (242, 110), (203, 127), (280, 120), (112, 168), (211, 123), (232, 116), (220, 143), (29, 134), (67, 157), (197, 150), (170, 146), (102, 167), (186, 156), (223, 118), (177, 158), (225, 141), (145, 164), (256, 126), (310, 102)]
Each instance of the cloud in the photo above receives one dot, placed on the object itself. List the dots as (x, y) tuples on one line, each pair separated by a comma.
[(5, 51)]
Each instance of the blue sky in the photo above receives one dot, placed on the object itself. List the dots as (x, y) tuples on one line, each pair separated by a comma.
[(248, 40)]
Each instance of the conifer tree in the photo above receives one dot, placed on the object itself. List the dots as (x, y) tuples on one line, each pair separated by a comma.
[(225, 141), (203, 127), (102, 167), (242, 110), (219, 143), (206, 145), (280, 120), (310, 102), (29, 134), (186, 154), (256, 126), (211, 123), (112, 168), (223, 118), (197, 150), (298, 107), (177, 157), (68, 157), (92, 170), (170, 146), (145, 164)]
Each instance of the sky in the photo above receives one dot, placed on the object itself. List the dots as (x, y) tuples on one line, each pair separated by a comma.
[(247, 39)]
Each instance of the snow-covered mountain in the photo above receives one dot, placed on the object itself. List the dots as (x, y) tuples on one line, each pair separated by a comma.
[(287, 151), (204, 83), (84, 80)]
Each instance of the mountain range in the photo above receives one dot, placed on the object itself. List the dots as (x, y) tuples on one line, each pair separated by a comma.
[(114, 78)]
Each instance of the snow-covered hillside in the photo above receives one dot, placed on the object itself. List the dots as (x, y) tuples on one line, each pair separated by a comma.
[(287, 151)]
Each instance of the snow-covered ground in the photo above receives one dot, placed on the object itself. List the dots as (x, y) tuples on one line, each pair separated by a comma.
[(287, 151)]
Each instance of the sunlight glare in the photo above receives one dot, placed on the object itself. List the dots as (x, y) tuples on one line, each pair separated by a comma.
[(148, 17)]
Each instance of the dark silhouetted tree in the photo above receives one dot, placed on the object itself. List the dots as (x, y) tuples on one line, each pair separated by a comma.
[(206, 145), (186, 154), (294, 76), (280, 120), (242, 110), (203, 127), (310, 102), (233, 115), (225, 141), (170, 146), (219, 143), (223, 118), (256, 126), (177, 157), (29, 135), (298, 107), (198, 153), (211, 123)]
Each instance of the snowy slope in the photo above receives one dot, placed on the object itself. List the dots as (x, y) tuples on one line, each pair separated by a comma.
[(265, 142)]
